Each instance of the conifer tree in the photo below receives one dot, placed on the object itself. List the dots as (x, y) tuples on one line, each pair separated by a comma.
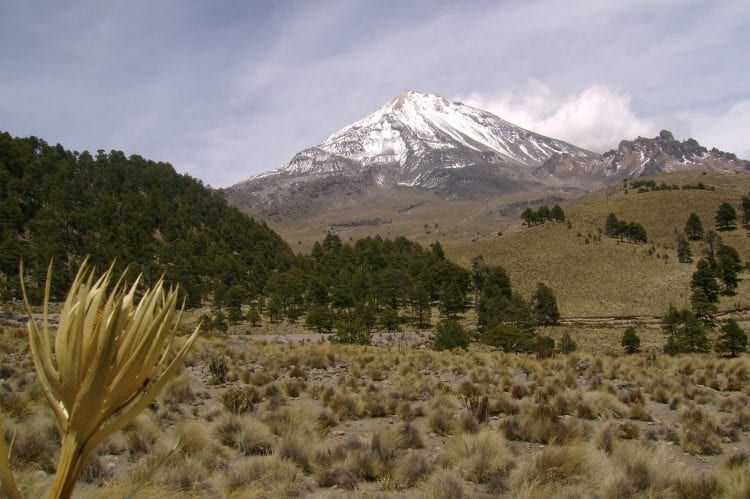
[(545, 304), (684, 254), (694, 227), (745, 205), (732, 339), (557, 213), (728, 266), (388, 319), (684, 332), (611, 226), (631, 342), (705, 280), (726, 217)]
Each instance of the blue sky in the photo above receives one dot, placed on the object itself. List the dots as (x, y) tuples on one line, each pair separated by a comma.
[(227, 89)]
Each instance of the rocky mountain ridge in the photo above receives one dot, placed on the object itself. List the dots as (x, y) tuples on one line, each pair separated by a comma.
[(424, 142)]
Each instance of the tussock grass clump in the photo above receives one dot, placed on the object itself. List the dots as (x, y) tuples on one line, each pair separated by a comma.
[(637, 470), (479, 457), (260, 378), (346, 405), (600, 405), (699, 432), (410, 469), (411, 437), (338, 464), (193, 437), (178, 391), (445, 484), (14, 404), (141, 435), (244, 433), (94, 471), (324, 422), (440, 416), (539, 423), (297, 449), (555, 466), (693, 485), (184, 474), (264, 476), (735, 482), (35, 443)]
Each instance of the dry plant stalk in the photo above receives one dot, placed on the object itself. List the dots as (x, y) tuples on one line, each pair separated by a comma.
[(107, 364)]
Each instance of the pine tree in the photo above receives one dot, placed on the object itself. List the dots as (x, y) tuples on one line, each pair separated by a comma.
[(684, 254), (419, 301), (544, 214), (705, 280), (728, 266), (545, 305), (557, 213), (726, 217), (320, 318), (388, 319), (636, 233), (684, 332), (530, 217), (745, 205), (611, 226), (253, 317), (703, 308), (694, 227), (732, 339)]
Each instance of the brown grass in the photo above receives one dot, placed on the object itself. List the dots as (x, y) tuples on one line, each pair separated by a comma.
[(568, 432)]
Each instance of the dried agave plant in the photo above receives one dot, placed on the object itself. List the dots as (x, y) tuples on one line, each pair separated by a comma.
[(110, 360)]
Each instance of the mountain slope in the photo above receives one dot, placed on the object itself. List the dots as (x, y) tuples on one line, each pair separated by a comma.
[(422, 143), (606, 277), (415, 141), (60, 205)]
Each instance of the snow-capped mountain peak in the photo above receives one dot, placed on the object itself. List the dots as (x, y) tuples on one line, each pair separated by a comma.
[(410, 129)]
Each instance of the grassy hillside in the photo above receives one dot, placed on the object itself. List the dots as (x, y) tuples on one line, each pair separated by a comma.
[(421, 217), (593, 277)]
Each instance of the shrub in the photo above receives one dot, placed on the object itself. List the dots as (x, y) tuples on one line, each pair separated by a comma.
[(351, 331), (631, 342), (450, 334), (567, 345), (240, 400), (509, 338), (218, 368)]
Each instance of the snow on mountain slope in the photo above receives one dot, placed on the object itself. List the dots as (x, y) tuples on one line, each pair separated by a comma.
[(420, 141), (408, 128)]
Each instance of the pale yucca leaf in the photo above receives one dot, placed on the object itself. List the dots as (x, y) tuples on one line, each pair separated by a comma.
[(7, 480), (110, 360)]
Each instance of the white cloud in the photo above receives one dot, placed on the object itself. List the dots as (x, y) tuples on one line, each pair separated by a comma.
[(729, 131), (597, 118)]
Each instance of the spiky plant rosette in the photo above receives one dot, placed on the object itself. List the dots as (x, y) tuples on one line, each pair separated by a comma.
[(109, 360)]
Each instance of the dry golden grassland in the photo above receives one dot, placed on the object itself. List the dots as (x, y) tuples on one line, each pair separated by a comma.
[(255, 419), (421, 217), (597, 276)]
